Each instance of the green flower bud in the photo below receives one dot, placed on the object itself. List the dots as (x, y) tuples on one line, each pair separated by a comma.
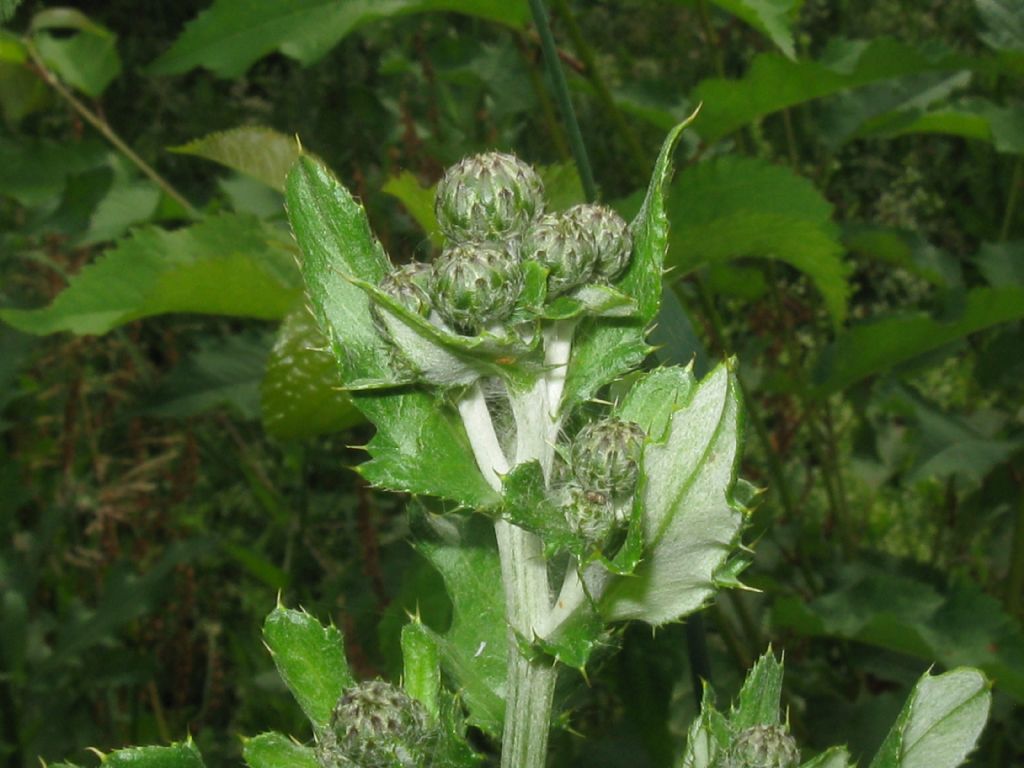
[(408, 285), (559, 243), (590, 515), (605, 457), (377, 725), (613, 245), (488, 196), (763, 746), (477, 284)]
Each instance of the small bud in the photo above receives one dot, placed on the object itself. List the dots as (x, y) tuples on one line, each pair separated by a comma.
[(377, 725), (590, 515), (488, 196), (558, 242), (477, 284), (408, 285), (763, 746), (613, 245), (606, 457)]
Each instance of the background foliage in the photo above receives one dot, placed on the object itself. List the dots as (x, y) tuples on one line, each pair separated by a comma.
[(845, 219)]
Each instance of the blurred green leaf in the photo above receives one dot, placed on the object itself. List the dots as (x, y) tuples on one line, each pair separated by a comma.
[(1002, 264), (128, 202), (977, 119), (1004, 24), (311, 661), (774, 83), (836, 757), (732, 207), (939, 724), (273, 750), (35, 170), (7, 9), (773, 18), (300, 393), (184, 755), (262, 153), (906, 250), (418, 201), (86, 60), (229, 36), (877, 346), (223, 371), (224, 265)]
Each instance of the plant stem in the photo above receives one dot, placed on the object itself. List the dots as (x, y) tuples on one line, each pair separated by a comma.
[(546, 109), (712, 38), (554, 69), (1016, 182), (1015, 579), (604, 95), (108, 133), (530, 684)]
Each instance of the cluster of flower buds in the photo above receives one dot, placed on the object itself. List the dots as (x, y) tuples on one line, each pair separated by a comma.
[(490, 208), (377, 725), (605, 464), (762, 746)]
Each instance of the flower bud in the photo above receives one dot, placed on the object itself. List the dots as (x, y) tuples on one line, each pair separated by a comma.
[(590, 515), (605, 457), (377, 725), (558, 242), (408, 285), (488, 196), (763, 746), (477, 284), (613, 245)]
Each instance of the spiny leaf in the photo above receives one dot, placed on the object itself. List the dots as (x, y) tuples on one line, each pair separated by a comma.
[(310, 659), (732, 207), (262, 153), (224, 265), (274, 750), (183, 755), (759, 698), (229, 36), (691, 521)]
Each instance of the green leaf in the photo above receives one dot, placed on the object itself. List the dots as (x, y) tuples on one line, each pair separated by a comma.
[(654, 398), (605, 350), (128, 202), (221, 372), (421, 675), (1002, 264), (474, 648), (906, 250), (691, 521), (1004, 24), (836, 757), (773, 82), (7, 9), (229, 36), (773, 18), (35, 170), (184, 755), (759, 698), (273, 750), (310, 659), (262, 153), (709, 735), (418, 201), (86, 60), (224, 265), (732, 207), (300, 395), (939, 724), (877, 346)]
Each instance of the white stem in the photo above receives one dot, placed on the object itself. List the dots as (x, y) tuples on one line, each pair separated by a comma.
[(482, 437), (557, 350), (575, 593)]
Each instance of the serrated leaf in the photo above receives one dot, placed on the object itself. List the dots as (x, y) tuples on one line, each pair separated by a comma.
[(128, 202), (759, 698), (184, 755), (87, 59), (691, 521), (224, 265), (310, 659), (229, 36), (732, 207), (654, 398), (421, 667), (709, 735), (873, 347), (939, 724), (836, 757), (605, 350), (274, 750), (475, 646), (300, 394), (773, 82), (262, 153), (773, 18)]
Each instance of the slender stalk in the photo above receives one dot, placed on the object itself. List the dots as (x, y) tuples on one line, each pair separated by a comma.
[(554, 69), (697, 650), (544, 100), (101, 125), (604, 94), (794, 153), (1016, 182), (1015, 579)]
